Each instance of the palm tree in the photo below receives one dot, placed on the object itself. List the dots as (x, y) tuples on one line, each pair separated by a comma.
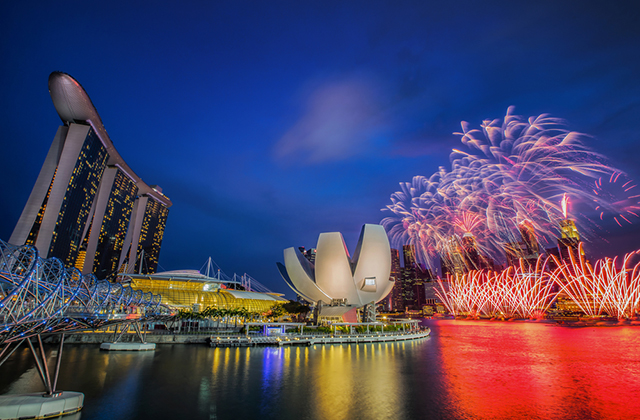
[(244, 313), (183, 314), (208, 313), (198, 316), (234, 313), (224, 313), (219, 313)]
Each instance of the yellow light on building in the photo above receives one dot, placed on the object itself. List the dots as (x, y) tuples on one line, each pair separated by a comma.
[(186, 288)]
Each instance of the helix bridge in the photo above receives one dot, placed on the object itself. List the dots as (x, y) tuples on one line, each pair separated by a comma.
[(40, 297)]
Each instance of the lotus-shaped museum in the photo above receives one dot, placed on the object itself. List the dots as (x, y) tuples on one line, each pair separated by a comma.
[(360, 280)]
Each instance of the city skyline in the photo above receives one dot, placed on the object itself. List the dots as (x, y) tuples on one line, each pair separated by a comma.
[(268, 124)]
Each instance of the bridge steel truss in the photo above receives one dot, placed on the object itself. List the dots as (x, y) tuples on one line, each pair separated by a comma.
[(41, 296)]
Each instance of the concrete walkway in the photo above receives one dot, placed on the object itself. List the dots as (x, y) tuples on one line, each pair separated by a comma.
[(310, 340)]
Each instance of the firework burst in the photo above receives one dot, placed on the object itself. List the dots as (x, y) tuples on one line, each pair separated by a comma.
[(514, 170), (606, 288), (515, 292), (617, 196)]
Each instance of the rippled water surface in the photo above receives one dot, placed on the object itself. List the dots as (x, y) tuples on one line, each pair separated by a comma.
[(465, 370)]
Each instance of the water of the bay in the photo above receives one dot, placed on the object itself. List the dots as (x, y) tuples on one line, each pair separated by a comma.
[(465, 370)]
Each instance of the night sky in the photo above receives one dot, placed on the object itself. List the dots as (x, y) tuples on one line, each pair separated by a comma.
[(268, 123)]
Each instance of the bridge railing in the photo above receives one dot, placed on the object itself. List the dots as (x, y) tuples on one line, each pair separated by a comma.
[(42, 296)]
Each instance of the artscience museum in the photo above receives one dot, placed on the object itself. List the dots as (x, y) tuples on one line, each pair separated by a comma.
[(336, 282)]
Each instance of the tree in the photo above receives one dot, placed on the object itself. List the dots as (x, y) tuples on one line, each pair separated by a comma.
[(244, 314), (235, 312), (276, 311), (187, 314), (296, 309)]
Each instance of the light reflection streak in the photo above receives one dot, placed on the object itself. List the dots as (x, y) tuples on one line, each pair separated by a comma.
[(535, 371), (358, 378), (466, 370)]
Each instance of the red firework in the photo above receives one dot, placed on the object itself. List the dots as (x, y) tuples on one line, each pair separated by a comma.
[(605, 288), (515, 292)]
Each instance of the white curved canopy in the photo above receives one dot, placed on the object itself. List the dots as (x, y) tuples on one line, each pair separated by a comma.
[(360, 280)]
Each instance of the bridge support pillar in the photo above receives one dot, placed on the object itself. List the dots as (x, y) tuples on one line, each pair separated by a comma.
[(116, 345), (38, 405)]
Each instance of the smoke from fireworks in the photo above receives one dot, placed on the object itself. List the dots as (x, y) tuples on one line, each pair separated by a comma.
[(514, 171)]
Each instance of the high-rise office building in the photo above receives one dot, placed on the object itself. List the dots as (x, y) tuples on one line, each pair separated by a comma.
[(309, 254), (525, 251), (88, 208), (569, 242), (529, 238), (471, 256), (397, 300), (414, 277), (462, 255), (453, 261), (411, 281), (409, 256), (514, 252)]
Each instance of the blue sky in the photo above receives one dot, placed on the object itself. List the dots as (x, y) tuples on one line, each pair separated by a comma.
[(267, 123)]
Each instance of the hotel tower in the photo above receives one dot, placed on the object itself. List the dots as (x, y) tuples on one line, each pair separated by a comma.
[(88, 208)]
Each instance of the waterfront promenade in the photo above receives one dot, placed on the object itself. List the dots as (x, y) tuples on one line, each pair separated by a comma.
[(313, 339), (235, 338)]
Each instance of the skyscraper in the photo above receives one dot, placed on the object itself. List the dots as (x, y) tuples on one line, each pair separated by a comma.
[(453, 259), (397, 300), (413, 279), (526, 250), (569, 242), (87, 207)]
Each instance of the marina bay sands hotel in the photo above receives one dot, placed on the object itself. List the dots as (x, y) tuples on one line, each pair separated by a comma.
[(88, 208)]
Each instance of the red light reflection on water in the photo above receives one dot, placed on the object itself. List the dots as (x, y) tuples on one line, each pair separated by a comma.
[(507, 370)]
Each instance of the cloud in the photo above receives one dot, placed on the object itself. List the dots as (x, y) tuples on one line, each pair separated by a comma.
[(341, 120)]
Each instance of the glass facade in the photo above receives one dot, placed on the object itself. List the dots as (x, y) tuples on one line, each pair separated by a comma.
[(151, 233), (114, 225), (409, 292), (35, 229), (76, 205), (189, 293), (397, 300), (81, 211)]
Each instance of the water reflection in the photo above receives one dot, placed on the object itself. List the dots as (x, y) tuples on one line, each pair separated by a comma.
[(528, 370), (351, 380), (466, 370)]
